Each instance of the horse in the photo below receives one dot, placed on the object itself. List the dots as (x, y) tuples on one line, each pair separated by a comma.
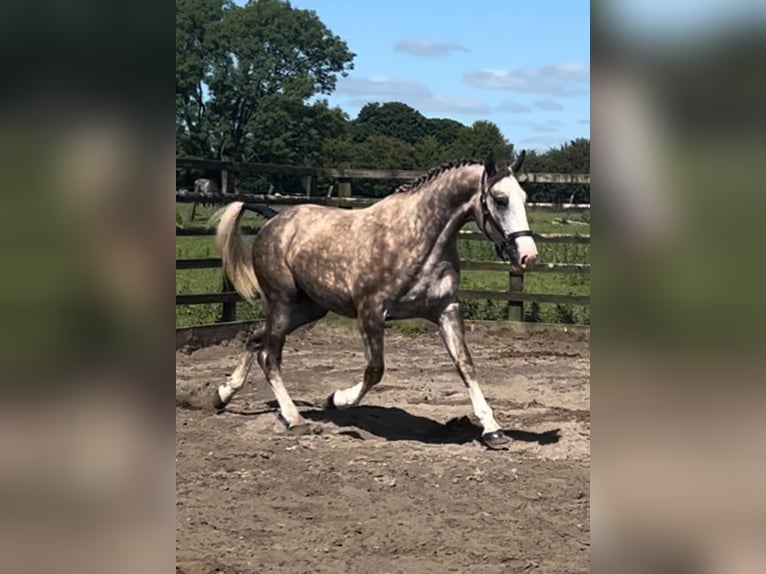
[(203, 185), (395, 259)]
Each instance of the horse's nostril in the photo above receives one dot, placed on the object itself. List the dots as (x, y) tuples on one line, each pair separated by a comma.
[(524, 260)]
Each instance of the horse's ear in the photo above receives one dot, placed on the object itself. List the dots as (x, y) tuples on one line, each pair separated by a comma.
[(489, 165), (519, 161)]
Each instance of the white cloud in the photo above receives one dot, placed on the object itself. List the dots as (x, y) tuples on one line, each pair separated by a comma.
[(513, 107), (427, 48), (563, 79), (454, 105), (411, 92), (381, 86), (548, 105), (550, 126), (584, 122)]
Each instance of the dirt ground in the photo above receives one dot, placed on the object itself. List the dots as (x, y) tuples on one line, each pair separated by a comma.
[(400, 484)]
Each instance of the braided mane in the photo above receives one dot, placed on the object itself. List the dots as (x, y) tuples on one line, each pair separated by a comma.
[(433, 172)]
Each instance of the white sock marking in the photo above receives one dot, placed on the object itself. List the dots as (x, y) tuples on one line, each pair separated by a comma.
[(348, 397), (237, 379)]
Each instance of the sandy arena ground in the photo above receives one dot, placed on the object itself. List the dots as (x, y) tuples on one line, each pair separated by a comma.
[(399, 484)]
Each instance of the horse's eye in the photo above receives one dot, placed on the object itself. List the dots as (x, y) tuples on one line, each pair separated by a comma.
[(501, 200)]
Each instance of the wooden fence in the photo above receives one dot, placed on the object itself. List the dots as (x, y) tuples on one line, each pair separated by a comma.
[(344, 177), (514, 295)]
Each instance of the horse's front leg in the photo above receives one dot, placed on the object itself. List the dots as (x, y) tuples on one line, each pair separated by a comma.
[(453, 333)]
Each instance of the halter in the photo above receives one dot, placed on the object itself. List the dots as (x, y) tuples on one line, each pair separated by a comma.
[(508, 250)]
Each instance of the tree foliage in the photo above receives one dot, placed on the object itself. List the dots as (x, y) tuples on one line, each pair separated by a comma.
[(195, 23), (247, 85), (444, 130), (572, 157), (238, 65), (481, 139), (393, 119)]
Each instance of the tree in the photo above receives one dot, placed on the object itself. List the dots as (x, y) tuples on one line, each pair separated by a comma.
[(242, 60), (384, 152), (285, 130), (444, 130), (338, 153), (533, 162), (572, 157), (392, 119), (194, 22), (479, 140), (430, 152)]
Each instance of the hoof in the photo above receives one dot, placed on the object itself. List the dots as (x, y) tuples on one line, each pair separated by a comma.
[(303, 429), (218, 404), (496, 439), (329, 404)]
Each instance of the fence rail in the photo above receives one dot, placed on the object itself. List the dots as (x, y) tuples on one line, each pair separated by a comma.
[(515, 295), (234, 297), (334, 173), (466, 265), (463, 234), (183, 196)]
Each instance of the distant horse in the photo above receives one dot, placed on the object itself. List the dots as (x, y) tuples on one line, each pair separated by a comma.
[(395, 259), (203, 185)]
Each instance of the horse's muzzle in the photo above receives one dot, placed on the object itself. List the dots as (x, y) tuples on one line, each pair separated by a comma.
[(521, 257), (507, 251)]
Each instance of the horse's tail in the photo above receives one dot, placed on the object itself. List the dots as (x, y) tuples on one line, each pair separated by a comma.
[(237, 258)]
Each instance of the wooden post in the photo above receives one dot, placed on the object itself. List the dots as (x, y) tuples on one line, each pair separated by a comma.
[(515, 285), (227, 179), (228, 310), (309, 184), (344, 187)]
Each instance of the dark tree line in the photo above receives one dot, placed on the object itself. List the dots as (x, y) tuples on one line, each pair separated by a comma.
[(245, 76)]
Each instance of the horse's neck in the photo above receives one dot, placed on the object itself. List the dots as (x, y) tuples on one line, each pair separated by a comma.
[(446, 205)]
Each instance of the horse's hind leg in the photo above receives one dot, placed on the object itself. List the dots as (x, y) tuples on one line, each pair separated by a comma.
[(306, 312), (225, 392), (283, 319), (372, 328)]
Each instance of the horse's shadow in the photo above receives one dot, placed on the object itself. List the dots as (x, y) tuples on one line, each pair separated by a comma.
[(392, 423)]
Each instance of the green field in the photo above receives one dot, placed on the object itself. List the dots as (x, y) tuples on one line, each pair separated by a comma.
[(209, 280)]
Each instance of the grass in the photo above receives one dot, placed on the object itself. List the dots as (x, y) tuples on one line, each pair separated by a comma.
[(209, 280)]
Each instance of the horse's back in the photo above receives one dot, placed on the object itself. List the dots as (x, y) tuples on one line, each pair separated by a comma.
[(306, 223)]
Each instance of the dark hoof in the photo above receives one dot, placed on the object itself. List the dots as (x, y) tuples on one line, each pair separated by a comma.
[(329, 404), (218, 404), (496, 439), (304, 429)]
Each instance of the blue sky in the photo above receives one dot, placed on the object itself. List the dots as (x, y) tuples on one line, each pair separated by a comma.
[(524, 65)]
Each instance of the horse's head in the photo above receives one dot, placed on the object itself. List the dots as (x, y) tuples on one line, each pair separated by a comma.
[(502, 215)]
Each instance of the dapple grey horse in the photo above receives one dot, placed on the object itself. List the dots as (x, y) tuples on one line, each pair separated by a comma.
[(395, 259)]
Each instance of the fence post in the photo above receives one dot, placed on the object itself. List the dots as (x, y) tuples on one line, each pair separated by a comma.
[(309, 184), (228, 309), (227, 179), (515, 285), (344, 187)]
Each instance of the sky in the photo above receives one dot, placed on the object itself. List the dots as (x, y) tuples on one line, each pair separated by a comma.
[(524, 65)]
